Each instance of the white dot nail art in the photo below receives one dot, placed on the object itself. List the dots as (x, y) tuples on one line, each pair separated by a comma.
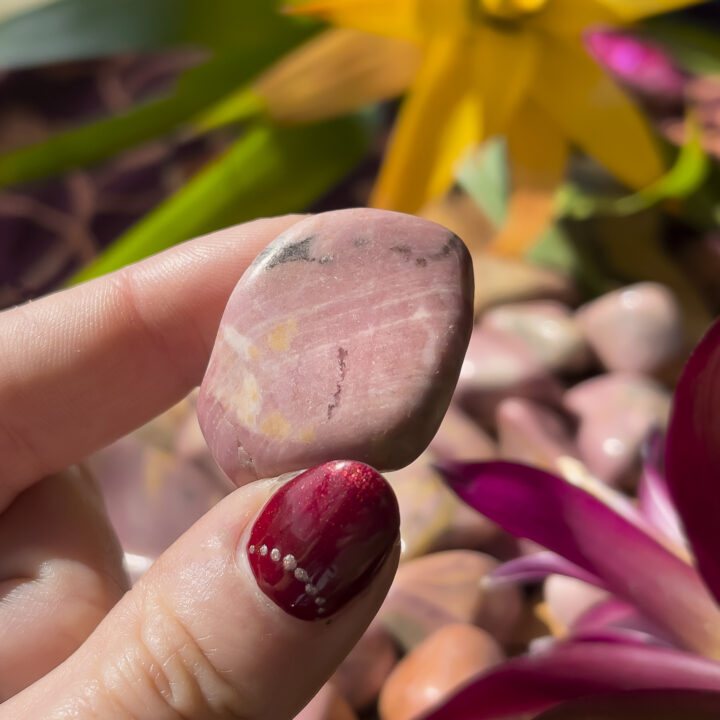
[(289, 564)]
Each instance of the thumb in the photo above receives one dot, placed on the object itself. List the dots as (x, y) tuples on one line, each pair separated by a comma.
[(246, 615)]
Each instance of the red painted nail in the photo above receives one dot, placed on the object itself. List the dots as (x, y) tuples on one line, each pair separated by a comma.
[(323, 537)]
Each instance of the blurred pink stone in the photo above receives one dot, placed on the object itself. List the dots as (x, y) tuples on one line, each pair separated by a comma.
[(547, 328), (641, 65), (436, 667), (152, 497), (638, 328), (616, 412), (343, 339), (461, 439), (363, 672), (532, 434), (498, 366)]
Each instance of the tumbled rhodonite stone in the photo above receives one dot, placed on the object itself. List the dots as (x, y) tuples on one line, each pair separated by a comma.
[(344, 339)]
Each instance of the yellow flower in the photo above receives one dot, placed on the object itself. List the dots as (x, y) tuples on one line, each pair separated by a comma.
[(474, 68)]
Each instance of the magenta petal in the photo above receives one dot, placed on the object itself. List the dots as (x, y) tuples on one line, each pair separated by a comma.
[(538, 566), (654, 500), (641, 705), (613, 614), (693, 455), (626, 636), (568, 520), (642, 65), (565, 671), (607, 612)]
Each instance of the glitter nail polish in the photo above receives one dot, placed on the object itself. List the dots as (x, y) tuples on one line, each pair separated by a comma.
[(323, 537)]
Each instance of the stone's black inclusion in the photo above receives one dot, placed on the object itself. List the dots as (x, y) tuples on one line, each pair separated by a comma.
[(442, 253), (404, 250), (299, 251)]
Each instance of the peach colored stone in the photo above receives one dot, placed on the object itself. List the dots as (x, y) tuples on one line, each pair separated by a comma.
[(440, 664), (190, 446), (616, 412), (328, 704), (366, 668), (446, 588), (344, 339), (638, 328), (501, 280), (432, 517), (567, 599), (548, 330)]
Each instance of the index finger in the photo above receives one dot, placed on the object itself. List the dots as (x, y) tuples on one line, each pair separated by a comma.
[(89, 364)]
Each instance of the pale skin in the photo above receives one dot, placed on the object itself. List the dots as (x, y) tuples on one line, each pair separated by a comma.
[(195, 638)]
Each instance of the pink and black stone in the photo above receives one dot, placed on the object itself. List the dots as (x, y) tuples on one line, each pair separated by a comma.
[(344, 339)]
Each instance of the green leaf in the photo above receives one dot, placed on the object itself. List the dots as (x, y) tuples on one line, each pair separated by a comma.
[(77, 29), (484, 176), (80, 29), (696, 48), (685, 177), (235, 108), (88, 144), (269, 171), (558, 249), (689, 172)]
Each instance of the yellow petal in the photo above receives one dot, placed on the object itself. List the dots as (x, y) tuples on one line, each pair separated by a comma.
[(594, 113), (537, 153), (632, 10), (437, 121), (460, 134), (504, 64), (572, 17), (335, 73), (511, 9), (396, 18)]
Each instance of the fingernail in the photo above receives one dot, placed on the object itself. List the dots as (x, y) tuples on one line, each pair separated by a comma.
[(322, 538)]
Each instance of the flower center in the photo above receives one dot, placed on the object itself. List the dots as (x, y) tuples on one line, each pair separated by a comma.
[(510, 9)]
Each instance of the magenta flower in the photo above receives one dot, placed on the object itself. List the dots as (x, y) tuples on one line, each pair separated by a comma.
[(659, 558), (639, 64)]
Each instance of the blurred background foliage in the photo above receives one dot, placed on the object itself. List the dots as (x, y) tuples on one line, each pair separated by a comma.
[(128, 127)]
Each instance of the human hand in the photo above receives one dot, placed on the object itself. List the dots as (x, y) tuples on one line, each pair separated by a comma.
[(196, 637)]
